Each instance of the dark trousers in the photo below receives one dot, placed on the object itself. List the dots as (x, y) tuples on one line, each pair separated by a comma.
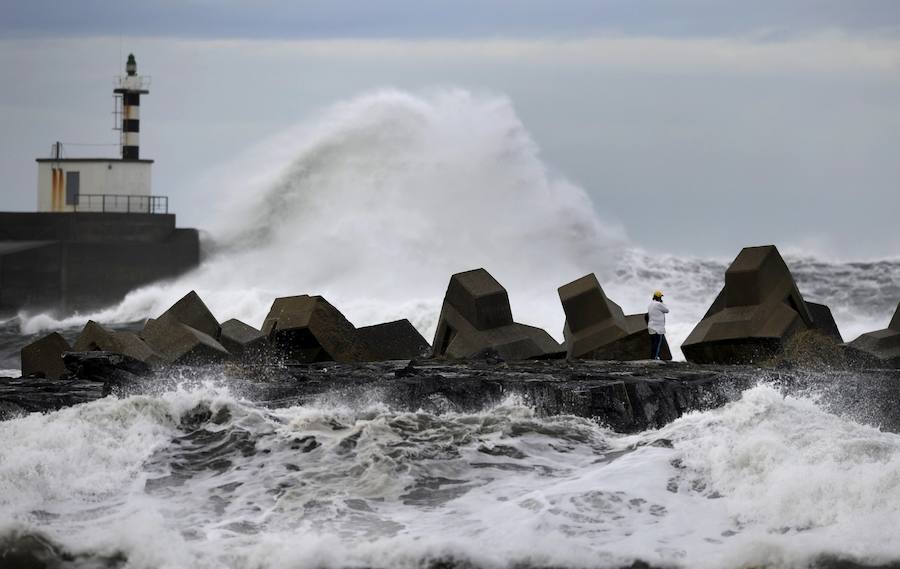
[(655, 345)]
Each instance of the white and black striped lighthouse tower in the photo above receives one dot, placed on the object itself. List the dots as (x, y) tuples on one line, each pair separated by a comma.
[(131, 87), (105, 185)]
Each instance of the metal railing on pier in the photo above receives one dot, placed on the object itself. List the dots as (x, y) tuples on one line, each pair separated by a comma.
[(121, 203)]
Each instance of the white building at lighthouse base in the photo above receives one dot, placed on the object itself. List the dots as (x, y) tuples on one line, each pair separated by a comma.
[(96, 185)]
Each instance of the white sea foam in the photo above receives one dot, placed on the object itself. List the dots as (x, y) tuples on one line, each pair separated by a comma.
[(380, 199), (766, 481)]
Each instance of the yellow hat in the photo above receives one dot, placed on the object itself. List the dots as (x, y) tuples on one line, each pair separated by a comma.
[(657, 294)]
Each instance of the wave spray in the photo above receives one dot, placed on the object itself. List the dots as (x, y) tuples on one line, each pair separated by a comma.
[(376, 203), (379, 199)]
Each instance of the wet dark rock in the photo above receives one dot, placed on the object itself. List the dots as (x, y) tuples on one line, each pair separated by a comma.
[(21, 549), (98, 365), (109, 368), (488, 355), (833, 562), (22, 396), (43, 358), (596, 327), (8, 410), (476, 316), (409, 370), (624, 396)]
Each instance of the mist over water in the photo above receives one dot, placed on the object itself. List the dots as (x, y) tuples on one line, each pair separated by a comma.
[(376, 202)]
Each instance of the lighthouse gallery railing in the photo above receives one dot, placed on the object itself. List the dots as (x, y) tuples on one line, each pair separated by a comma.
[(122, 203)]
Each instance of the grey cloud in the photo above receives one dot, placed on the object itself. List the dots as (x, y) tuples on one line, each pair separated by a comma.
[(441, 18)]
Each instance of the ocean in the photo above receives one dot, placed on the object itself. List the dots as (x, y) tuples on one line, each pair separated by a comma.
[(196, 477), (374, 205)]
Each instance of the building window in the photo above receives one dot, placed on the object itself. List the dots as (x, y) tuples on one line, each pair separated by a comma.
[(73, 181)]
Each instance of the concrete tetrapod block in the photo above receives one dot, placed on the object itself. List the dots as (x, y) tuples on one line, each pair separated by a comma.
[(96, 338), (756, 312), (180, 344), (398, 340), (881, 347), (476, 317), (192, 311), (480, 299), (242, 340), (309, 329), (823, 320), (44, 357), (597, 328)]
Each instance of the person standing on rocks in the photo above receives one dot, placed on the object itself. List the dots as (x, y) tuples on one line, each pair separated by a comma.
[(656, 323)]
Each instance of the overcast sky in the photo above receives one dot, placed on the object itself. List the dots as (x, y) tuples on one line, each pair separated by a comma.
[(738, 122)]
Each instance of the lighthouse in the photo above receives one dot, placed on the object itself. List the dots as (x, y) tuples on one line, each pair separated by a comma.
[(107, 185), (131, 87), (99, 232)]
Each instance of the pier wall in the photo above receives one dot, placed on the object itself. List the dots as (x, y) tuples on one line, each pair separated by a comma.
[(63, 262)]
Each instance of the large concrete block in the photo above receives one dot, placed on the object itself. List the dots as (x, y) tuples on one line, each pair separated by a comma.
[(398, 340), (309, 329), (181, 344), (480, 299), (44, 357), (242, 340), (96, 338), (476, 317), (192, 311), (881, 347), (756, 312), (597, 328)]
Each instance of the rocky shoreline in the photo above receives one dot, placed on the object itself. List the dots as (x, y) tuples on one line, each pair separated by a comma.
[(623, 396)]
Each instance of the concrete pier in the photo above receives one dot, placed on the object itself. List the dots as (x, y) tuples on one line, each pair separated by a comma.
[(79, 261)]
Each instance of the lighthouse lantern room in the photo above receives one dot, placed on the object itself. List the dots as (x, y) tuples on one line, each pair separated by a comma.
[(104, 184)]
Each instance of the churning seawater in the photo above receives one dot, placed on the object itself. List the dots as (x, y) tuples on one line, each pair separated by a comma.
[(199, 478)]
